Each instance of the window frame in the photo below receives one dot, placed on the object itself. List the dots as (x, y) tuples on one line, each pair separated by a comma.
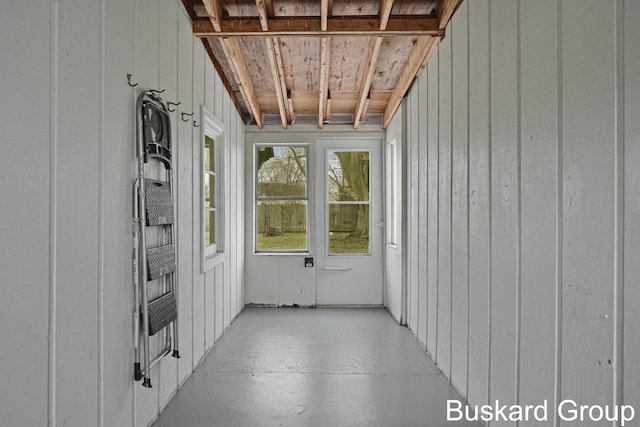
[(392, 194), (213, 128), (257, 199)]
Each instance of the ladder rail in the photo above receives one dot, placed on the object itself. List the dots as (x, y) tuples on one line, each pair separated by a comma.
[(136, 283)]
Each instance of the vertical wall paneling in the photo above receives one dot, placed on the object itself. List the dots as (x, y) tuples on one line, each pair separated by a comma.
[(24, 266), (459, 204), (619, 211), (184, 197), (413, 226), (539, 187), (504, 194), (479, 203), (67, 175), (234, 209), (117, 170), (232, 184), (631, 389), (226, 311), (77, 191), (199, 279), (167, 81), (240, 230), (53, 210), (588, 212), (423, 207), (537, 117), (443, 350), (432, 201), (209, 310), (146, 75), (218, 299)]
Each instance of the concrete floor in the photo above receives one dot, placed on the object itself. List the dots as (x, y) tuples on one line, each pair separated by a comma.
[(314, 367)]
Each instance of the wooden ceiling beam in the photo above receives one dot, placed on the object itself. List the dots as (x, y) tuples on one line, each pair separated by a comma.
[(385, 12), (365, 86), (312, 27), (416, 58), (263, 16), (215, 13), (223, 76), (277, 77), (232, 51), (444, 10), (277, 71), (324, 12), (370, 64)]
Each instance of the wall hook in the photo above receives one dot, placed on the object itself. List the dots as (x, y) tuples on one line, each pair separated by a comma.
[(186, 114), (129, 76), (169, 104), (195, 124), (157, 91)]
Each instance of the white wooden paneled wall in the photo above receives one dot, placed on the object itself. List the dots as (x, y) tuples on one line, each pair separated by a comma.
[(522, 282), (67, 167)]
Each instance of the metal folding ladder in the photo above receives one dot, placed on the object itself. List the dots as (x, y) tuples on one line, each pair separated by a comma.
[(154, 265)]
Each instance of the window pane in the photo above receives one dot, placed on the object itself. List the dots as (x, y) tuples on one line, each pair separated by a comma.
[(282, 171), (282, 226), (209, 191), (209, 154), (209, 227), (348, 229), (348, 178)]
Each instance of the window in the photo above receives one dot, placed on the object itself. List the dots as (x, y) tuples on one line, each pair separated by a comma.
[(282, 199), (393, 191), (213, 142)]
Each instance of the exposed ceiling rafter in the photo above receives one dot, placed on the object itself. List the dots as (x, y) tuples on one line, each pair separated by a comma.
[(370, 64), (277, 72), (236, 61), (334, 62), (420, 51)]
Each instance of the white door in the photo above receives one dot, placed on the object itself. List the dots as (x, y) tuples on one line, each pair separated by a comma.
[(349, 221)]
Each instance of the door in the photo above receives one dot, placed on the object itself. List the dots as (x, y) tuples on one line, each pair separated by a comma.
[(349, 234)]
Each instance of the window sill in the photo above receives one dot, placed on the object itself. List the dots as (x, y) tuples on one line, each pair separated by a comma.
[(283, 254)]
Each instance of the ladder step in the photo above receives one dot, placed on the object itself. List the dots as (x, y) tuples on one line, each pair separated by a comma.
[(158, 202), (160, 261), (162, 311)]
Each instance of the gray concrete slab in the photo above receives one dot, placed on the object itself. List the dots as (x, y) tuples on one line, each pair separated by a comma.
[(314, 367)]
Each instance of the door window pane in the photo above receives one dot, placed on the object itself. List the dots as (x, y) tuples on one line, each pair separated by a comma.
[(348, 176), (348, 228), (348, 202)]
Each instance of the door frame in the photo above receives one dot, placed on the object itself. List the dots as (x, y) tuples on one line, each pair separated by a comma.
[(375, 145)]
